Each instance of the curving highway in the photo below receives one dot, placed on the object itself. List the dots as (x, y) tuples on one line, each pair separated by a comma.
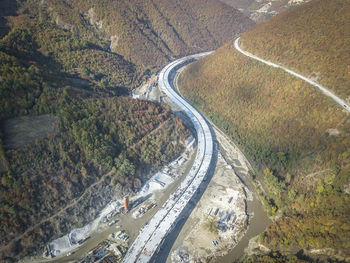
[(162, 223), (323, 89), (153, 234)]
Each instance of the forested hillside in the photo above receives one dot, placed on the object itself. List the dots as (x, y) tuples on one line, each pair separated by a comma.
[(151, 32), (68, 141), (101, 144), (297, 139), (320, 50), (145, 33), (97, 148)]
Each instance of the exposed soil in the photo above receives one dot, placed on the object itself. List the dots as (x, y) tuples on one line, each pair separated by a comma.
[(224, 201), (229, 180), (26, 130), (261, 10)]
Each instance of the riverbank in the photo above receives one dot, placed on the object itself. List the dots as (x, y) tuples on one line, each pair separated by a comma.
[(239, 207)]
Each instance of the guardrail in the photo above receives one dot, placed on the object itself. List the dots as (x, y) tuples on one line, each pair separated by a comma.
[(152, 236)]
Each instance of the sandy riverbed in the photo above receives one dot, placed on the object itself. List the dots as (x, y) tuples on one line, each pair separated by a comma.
[(224, 205)]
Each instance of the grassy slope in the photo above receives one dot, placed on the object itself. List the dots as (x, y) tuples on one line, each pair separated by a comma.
[(314, 38), (282, 124)]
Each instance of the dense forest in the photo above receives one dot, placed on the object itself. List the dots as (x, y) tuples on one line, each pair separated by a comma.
[(124, 41), (152, 32), (66, 65), (110, 141), (296, 138), (320, 50), (65, 42)]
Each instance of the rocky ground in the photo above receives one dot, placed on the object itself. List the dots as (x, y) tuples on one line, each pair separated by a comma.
[(261, 10)]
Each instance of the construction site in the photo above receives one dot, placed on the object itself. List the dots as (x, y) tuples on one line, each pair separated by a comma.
[(223, 219), (108, 238), (216, 222)]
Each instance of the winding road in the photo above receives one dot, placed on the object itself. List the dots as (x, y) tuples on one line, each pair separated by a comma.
[(323, 89), (162, 223)]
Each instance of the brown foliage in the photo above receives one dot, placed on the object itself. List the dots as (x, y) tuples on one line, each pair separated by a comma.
[(282, 123), (313, 39)]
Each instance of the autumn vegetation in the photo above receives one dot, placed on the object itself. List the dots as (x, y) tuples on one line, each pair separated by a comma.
[(312, 40), (151, 32), (74, 61), (114, 136), (276, 257), (296, 138)]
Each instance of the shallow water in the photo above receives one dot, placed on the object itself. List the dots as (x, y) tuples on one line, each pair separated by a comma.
[(258, 223)]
